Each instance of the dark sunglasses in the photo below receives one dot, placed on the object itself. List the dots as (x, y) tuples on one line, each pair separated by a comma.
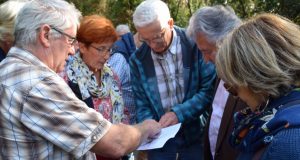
[(232, 90)]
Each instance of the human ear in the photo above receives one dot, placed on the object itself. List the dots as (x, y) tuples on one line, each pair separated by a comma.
[(171, 23), (44, 35)]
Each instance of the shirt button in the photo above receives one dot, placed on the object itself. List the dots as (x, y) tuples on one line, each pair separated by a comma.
[(94, 139)]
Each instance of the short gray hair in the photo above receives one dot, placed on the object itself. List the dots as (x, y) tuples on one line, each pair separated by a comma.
[(122, 29), (56, 13), (149, 11), (8, 14), (262, 54), (215, 22)]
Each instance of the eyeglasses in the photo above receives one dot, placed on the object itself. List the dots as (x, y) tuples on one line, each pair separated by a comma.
[(232, 90), (103, 50), (156, 39), (71, 39)]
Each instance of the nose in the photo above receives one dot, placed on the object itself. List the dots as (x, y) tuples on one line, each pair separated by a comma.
[(107, 55), (152, 44), (72, 50)]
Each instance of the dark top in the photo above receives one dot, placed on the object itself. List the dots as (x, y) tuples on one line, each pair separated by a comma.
[(223, 149), (272, 133), (2, 54), (125, 45)]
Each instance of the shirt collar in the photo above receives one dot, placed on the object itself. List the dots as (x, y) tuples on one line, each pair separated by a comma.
[(27, 56), (173, 46)]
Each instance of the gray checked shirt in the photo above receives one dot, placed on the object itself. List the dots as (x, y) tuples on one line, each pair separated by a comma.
[(40, 116)]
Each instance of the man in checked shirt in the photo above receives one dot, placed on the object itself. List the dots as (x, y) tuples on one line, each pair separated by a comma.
[(40, 116), (171, 81)]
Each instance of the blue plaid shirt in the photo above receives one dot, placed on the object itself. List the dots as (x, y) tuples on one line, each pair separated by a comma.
[(40, 117)]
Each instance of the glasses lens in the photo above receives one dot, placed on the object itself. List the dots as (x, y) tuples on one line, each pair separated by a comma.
[(71, 41), (156, 39), (103, 50)]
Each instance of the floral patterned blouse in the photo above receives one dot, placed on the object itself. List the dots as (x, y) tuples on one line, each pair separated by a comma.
[(107, 98)]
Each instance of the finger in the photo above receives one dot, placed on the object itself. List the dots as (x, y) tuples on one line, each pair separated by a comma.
[(154, 136), (166, 123), (162, 120)]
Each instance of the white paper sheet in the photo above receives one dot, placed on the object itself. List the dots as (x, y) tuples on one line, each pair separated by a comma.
[(165, 135)]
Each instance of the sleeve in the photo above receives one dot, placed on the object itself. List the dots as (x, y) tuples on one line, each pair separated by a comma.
[(53, 111), (285, 145), (143, 110), (201, 85), (120, 66)]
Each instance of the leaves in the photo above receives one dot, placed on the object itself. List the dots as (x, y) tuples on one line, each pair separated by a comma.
[(120, 11), (181, 10)]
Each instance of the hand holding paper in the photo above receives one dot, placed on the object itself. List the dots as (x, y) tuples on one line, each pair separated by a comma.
[(163, 137)]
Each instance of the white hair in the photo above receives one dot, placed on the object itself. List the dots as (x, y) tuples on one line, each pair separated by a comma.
[(215, 22), (8, 13), (149, 11), (122, 29), (57, 13)]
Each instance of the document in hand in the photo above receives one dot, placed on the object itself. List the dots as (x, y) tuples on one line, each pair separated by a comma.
[(165, 135)]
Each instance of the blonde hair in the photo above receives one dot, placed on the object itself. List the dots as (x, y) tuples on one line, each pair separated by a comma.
[(8, 13), (262, 54)]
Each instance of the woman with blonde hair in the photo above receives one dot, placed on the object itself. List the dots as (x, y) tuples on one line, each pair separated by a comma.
[(260, 63)]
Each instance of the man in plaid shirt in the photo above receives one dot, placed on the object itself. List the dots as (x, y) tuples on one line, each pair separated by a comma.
[(40, 116), (171, 81)]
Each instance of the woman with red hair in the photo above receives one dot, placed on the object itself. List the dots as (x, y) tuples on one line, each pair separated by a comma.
[(88, 74)]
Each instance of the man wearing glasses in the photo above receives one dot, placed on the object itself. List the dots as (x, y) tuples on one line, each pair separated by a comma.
[(171, 81), (40, 116)]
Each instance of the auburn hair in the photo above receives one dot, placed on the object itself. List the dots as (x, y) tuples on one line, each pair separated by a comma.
[(96, 29)]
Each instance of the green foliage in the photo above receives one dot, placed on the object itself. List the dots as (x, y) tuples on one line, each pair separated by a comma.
[(87, 7), (120, 11)]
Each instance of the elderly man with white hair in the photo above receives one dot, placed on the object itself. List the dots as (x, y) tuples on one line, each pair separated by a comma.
[(171, 81), (122, 29)]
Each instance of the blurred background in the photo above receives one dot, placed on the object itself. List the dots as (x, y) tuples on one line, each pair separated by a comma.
[(120, 11)]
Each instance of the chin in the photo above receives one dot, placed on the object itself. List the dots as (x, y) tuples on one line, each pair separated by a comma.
[(159, 51), (59, 70), (100, 68)]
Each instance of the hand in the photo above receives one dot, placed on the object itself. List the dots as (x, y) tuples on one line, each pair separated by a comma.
[(168, 119), (153, 128)]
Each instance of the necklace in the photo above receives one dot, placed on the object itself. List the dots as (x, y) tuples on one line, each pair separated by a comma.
[(263, 106)]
